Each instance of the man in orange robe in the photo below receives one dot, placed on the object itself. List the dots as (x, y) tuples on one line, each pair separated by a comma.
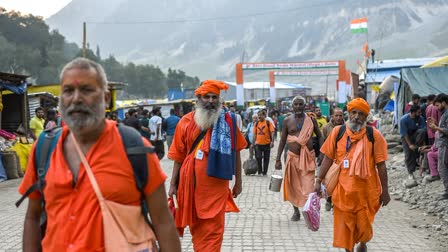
[(203, 197), (74, 215), (297, 130), (362, 186)]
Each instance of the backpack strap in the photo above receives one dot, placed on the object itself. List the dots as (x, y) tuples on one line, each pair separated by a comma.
[(369, 130), (44, 148), (197, 140), (341, 132), (136, 152), (269, 130), (235, 131)]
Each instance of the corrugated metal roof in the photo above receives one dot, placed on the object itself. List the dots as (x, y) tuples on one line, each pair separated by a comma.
[(399, 63), (380, 76)]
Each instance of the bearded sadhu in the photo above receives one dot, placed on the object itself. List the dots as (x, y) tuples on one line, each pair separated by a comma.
[(206, 153), (362, 185)]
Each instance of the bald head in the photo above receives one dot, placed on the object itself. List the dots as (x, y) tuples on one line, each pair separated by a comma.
[(297, 98)]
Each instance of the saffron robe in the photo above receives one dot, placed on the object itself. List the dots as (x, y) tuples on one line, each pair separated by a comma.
[(203, 200), (300, 169), (356, 197)]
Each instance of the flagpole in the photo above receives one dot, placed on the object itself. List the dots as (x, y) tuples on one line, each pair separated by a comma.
[(367, 34)]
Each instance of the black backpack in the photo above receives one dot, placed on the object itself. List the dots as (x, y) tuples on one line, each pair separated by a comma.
[(135, 150)]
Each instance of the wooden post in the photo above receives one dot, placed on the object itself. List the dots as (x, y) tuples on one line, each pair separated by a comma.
[(84, 40)]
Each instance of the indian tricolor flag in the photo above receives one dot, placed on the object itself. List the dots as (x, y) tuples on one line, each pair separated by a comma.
[(358, 25)]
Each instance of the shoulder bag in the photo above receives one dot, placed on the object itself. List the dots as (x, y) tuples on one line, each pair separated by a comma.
[(124, 226)]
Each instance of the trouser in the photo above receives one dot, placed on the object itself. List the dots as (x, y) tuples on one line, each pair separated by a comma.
[(419, 139), (169, 141), (410, 157), (262, 153), (159, 148), (432, 161), (208, 234), (442, 165)]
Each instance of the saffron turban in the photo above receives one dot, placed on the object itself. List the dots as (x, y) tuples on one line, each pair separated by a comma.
[(359, 103), (211, 86)]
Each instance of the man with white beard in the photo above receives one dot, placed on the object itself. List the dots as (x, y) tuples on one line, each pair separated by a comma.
[(75, 219), (362, 187), (206, 153)]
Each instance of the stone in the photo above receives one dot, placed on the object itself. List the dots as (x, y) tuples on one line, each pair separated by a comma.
[(437, 227), (410, 183), (396, 149), (391, 145), (398, 158), (393, 138)]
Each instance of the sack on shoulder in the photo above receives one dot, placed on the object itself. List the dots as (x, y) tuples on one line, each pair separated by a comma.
[(331, 178)]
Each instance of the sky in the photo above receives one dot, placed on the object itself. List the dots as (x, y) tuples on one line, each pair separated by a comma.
[(44, 8)]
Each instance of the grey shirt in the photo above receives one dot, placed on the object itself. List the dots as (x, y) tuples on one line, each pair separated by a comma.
[(442, 139)]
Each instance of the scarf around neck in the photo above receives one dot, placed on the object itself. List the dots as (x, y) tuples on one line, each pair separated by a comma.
[(362, 153), (222, 155)]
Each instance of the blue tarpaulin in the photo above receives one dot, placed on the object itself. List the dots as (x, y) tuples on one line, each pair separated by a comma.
[(389, 106), (15, 88)]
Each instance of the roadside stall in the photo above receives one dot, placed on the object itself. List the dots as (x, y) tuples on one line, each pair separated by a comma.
[(13, 123)]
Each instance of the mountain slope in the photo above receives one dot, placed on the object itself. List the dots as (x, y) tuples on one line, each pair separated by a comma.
[(288, 30)]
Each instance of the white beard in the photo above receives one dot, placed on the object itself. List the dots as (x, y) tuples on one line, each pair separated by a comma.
[(356, 127), (93, 115), (205, 118)]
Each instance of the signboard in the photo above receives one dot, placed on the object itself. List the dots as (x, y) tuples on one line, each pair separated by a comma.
[(307, 73), (292, 65)]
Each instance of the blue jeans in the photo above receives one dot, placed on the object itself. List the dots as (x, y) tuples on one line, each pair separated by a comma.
[(3, 176)]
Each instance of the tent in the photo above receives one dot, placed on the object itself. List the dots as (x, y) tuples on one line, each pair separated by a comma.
[(422, 81), (437, 63)]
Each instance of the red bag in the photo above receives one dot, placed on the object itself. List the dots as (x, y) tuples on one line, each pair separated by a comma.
[(311, 212), (172, 207)]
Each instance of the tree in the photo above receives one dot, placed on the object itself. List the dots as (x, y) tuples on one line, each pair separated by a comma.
[(98, 55), (114, 69), (28, 47)]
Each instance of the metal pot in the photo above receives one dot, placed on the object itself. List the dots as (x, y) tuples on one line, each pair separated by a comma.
[(276, 183)]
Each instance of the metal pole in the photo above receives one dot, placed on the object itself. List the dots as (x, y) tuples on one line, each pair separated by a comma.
[(84, 40)]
